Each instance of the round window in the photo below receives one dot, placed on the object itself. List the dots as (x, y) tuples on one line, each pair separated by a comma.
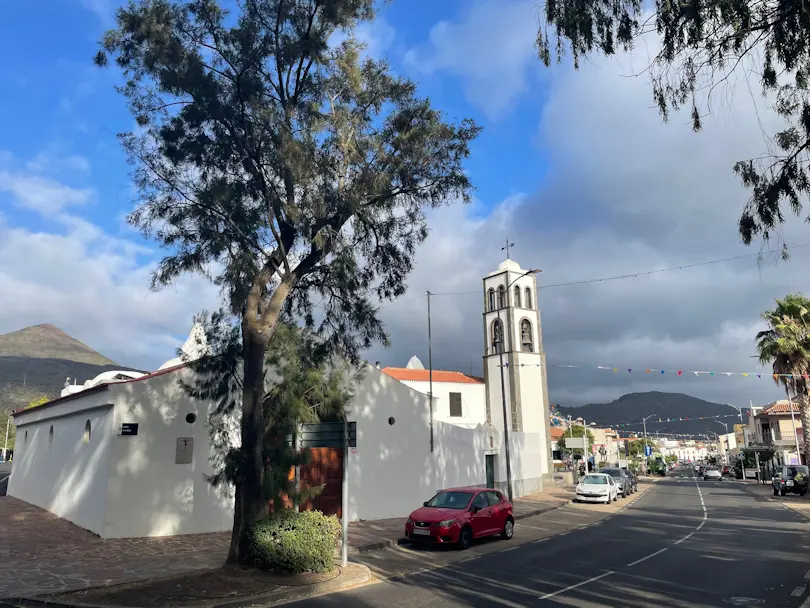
[(391, 421), (191, 418)]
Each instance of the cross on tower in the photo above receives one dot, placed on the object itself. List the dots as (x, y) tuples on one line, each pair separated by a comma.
[(507, 247)]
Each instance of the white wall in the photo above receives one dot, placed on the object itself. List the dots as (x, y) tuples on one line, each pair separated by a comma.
[(148, 494), (528, 457), (473, 403), (65, 475)]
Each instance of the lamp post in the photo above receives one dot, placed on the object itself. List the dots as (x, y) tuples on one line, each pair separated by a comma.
[(793, 420), (726, 448), (646, 458), (501, 346)]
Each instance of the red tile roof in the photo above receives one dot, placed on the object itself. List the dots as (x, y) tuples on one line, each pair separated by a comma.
[(781, 407), (423, 375), (557, 432)]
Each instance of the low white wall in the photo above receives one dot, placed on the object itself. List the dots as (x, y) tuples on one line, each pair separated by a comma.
[(65, 475), (148, 494), (528, 457)]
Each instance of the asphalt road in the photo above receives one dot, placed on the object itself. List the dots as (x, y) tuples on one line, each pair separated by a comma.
[(5, 471), (684, 543)]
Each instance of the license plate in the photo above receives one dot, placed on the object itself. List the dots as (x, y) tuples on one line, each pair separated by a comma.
[(421, 532), (790, 483)]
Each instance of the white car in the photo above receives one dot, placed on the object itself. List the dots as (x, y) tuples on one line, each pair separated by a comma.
[(597, 487), (712, 475)]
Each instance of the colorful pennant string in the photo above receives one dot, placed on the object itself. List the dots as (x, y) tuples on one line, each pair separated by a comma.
[(678, 372)]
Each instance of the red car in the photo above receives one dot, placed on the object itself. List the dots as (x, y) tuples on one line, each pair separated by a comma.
[(458, 515)]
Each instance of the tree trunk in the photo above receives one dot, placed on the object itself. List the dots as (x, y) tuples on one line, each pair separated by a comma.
[(804, 408), (249, 503)]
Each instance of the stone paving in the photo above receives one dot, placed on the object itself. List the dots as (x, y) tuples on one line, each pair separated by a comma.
[(40, 552)]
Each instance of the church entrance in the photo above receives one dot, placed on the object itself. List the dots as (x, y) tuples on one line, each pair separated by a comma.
[(490, 468)]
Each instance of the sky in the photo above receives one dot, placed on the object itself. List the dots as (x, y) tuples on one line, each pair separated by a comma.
[(575, 167)]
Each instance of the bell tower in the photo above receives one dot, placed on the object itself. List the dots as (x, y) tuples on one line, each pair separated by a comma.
[(514, 360)]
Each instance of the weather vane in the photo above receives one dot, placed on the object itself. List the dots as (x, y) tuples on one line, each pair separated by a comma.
[(507, 247)]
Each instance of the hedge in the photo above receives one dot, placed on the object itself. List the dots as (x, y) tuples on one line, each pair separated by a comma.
[(295, 542)]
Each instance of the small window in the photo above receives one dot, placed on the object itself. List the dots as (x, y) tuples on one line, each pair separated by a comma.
[(501, 296), (455, 405), (526, 342), (528, 297), (481, 501), (86, 438), (491, 299), (25, 439), (494, 498), (50, 437), (517, 297), (497, 336)]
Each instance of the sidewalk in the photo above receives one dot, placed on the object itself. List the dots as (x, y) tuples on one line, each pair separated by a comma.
[(800, 504), (378, 534)]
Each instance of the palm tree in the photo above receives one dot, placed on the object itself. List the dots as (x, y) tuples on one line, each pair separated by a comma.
[(786, 346)]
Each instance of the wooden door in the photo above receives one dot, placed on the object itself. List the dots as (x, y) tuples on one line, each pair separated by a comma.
[(326, 469)]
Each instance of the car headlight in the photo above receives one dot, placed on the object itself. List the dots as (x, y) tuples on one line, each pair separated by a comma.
[(409, 522), (446, 523)]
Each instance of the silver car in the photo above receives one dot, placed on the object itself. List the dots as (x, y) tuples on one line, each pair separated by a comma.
[(712, 474), (624, 485)]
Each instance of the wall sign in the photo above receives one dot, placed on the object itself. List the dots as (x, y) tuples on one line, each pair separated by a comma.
[(129, 428), (184, 451)]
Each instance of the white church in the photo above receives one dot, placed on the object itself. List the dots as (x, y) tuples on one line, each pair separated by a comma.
[(127, 454)]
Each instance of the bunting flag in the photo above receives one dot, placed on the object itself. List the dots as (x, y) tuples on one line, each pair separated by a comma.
[(683, 419), (678, 372)]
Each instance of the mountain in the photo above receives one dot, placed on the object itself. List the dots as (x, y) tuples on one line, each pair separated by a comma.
[(35, 361), (631, 408)]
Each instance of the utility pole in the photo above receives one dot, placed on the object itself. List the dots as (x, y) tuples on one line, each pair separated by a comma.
[(430, 373), (5, 445)]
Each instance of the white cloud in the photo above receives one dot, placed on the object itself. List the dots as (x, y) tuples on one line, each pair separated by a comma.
[(44, 195), (490, 47)]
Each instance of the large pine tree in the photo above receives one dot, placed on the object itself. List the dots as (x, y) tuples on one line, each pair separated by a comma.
[(293, 173)]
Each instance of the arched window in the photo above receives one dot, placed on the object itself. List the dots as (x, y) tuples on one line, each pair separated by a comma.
[(50, 437), (517, 297), (526, 343), (528, 297), (86, 438), (491, 299), (501, 296), (497, 337)]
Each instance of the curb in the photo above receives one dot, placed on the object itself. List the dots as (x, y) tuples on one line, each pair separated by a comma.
[(274, 598), (786, 505)]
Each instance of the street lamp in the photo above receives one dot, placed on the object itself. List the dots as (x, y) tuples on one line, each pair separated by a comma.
[(726, 448), (646, 458), (501, 346)]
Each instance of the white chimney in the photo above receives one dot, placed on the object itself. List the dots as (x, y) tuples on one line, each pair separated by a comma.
[(377, 364)]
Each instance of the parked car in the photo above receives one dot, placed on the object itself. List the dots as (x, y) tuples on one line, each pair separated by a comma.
[(633, 479), (459, 515), (597, 487), (727, 470), (623, 486), (712, 474), (790, 478)]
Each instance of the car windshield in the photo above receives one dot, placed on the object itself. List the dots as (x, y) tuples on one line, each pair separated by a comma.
[(613, 472), (597, 480), (793, 471), (450, 500)]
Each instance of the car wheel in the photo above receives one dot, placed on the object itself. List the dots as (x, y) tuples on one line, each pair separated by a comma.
[(803, 493), (465, 538), (508, 529), (782, 492)]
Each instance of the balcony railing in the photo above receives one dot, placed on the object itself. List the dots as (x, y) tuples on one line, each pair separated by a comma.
[(779, 440)]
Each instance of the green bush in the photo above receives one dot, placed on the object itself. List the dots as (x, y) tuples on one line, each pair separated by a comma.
[(295, 542)]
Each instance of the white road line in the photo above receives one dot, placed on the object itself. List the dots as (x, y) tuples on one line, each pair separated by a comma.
[(583, 528), (687, 537), (797, 592), (4, 478), (564, 533), (703, 523), (644, 559), (806, 603), (807, 576), (542, 540), (590, 580), (509, 549)]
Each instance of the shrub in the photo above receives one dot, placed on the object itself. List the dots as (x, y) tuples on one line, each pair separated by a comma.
[(295, 542)]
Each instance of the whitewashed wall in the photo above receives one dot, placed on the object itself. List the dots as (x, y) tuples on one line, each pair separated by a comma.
[(148, 494), (529, 459), (65, 475), (473, 401)]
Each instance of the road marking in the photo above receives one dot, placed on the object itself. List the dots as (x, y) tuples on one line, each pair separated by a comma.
[(590, 580), (807, 576), (542, 540), (687, 537), (4, 478), (564, 533), (583, 528), (509, 549), (644, 559), (797, 592)]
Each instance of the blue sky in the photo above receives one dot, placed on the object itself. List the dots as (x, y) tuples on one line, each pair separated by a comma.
[(576, 167)]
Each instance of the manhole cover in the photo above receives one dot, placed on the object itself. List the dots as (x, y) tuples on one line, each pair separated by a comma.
[(744, 601)]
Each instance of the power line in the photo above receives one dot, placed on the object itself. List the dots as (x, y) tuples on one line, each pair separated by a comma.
[(631, 275)]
